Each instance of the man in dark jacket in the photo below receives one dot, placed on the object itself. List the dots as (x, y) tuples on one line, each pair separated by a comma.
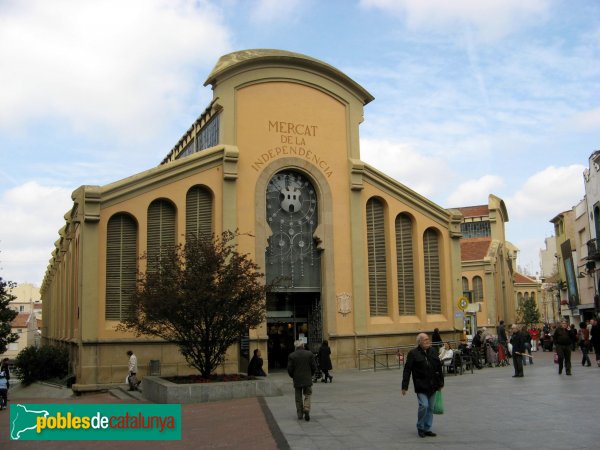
[(562, 343), (423, 364), (517, 340), (301, 367)]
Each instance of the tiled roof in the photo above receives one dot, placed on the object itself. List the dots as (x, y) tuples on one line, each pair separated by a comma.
[(474, 249), (475, 211), (20, 321), (520, 278)]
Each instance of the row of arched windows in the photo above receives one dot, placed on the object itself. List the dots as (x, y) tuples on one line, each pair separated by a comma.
[(122, 243), (477, 284), (406, 265), (521, 297)]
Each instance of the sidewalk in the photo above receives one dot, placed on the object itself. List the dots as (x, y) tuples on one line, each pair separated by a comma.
[(365, 410), (485, 410)]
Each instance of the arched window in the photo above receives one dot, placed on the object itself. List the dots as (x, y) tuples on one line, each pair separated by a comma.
[(121, 265), (431, 253), (405, 265), (526, 296), (376, 258), (292, 212), (533, 296), (198, 212), (477, 289), (161, 230), (465, 284), (519, 299)]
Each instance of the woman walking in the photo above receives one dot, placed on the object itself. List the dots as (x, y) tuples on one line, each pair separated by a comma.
[(324, 356)]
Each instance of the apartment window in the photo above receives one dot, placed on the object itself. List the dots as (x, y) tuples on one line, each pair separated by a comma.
[(198, 212), (121, 265), (161, 230), (21, 308), (376, 258), (405, 265), (477, 289), (431, 252)]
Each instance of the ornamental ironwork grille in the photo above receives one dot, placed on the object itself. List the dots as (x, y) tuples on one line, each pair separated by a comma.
[(292, 259)]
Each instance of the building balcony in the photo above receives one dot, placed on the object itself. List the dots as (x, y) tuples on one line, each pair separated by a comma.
[(593, 247)]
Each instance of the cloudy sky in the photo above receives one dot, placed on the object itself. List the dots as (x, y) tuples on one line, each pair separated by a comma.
[(472, 97)]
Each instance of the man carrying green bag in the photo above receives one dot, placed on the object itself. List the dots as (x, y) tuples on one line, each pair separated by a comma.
[(425, 367)]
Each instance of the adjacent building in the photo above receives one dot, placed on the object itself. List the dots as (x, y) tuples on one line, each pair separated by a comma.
[(487, 264), (368, 261)]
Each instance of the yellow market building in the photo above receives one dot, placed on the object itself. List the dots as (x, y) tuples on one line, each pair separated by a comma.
[(369, 262)]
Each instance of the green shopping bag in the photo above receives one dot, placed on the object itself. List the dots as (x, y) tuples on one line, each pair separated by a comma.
[(438, 403)]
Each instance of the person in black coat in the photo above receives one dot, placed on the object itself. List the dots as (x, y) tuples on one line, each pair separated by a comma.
[(255, 368), (423, 364), (324, 356), (517, 339), (301, 367), (562, 342)]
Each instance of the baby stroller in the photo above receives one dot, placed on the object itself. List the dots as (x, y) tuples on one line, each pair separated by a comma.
[(318, 373)]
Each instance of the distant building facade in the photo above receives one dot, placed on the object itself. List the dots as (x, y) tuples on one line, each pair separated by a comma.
[(276, 154), (488, 263)]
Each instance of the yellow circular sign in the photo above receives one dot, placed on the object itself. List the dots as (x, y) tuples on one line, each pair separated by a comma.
[(463, 302)]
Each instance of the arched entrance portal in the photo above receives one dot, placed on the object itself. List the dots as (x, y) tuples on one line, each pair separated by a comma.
[(293, 264)]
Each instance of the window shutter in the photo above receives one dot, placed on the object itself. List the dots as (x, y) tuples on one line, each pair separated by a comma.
[(477, 289), (121, 265), (405, 265), (198, 215), (161, 230), (377, 262), (433, 302)]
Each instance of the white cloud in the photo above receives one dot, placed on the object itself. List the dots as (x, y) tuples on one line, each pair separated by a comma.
[(107, 65), (491, 18), (475, 192), (32, 214), (424, 174), (548, 192)]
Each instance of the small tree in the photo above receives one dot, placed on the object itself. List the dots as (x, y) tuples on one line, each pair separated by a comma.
[(201, 296), (7, 315), (528, 312)]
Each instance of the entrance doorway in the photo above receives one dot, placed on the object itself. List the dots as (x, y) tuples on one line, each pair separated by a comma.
[(291, 317)]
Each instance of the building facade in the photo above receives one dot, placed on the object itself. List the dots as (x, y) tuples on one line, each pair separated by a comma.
[(367, 261), (488, 264)]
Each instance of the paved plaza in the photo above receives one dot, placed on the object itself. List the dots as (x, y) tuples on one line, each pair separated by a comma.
[(365, 410)]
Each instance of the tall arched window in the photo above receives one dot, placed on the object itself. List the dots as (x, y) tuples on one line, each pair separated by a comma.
[(519, 299), (533, 296), (465, 284), (161, 230), (198, 212), (376, 258), (431, 253), (121, 265), (405, 265), (477, 289)]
